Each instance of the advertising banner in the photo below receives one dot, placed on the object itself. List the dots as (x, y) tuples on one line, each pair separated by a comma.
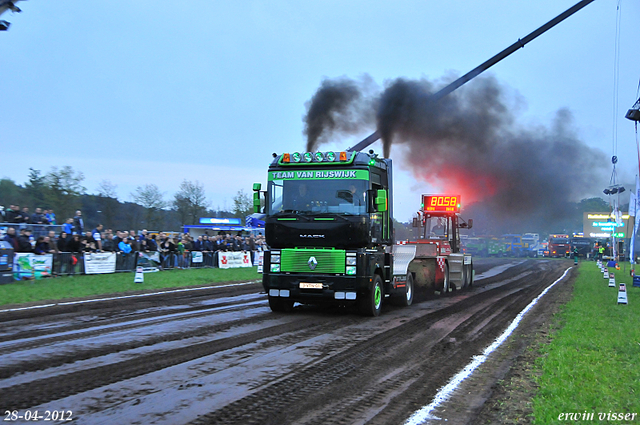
[(228, 260), (99, 262), (149, 261), (31, 266), (258, 258), (196, 257)]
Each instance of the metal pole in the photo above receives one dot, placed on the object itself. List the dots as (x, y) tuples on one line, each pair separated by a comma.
[(484, 66)]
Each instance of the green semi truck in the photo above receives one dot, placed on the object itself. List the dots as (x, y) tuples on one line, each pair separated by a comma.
[(329, 227)]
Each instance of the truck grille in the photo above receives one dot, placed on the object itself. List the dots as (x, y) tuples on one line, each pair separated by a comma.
[(326, 261)]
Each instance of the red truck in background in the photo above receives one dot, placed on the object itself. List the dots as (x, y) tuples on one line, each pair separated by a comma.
[(559, 245)]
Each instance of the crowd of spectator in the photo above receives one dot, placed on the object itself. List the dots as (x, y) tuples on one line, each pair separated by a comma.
[(15, 215), (74, 238)]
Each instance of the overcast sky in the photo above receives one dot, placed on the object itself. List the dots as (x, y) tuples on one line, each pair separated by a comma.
[(161, 91)]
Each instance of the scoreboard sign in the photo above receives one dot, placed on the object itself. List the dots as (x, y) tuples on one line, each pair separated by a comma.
[(441, 203)]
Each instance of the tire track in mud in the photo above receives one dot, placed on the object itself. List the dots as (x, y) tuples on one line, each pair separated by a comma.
[(41, 391), (103, 326), (360, 370), (148, 299), (381, 380)]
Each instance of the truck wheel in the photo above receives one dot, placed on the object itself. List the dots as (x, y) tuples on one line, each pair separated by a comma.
[(470, 274), (280, 305), (371, 303), (406, 299), (445, 284), (464, 279)]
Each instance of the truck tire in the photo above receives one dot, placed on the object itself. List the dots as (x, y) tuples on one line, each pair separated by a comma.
[(371, 302), (464, 279), (446, 285), (280, 305), (406, 299), (470, 274)]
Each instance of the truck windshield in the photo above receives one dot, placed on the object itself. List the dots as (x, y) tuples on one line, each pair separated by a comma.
[(559, 240), (338, 196)]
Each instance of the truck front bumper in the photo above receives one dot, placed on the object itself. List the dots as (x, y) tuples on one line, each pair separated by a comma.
[(316, 288)]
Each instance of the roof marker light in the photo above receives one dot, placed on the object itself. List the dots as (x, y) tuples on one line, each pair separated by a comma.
[(296, 157)]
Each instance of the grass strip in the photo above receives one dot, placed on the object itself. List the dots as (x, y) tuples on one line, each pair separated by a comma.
[(590, 372), (80, 286)]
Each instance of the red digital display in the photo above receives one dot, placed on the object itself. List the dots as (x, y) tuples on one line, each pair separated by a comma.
[(441, 203)]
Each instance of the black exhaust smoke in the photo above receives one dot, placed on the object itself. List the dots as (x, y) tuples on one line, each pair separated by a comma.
[(467, 143)]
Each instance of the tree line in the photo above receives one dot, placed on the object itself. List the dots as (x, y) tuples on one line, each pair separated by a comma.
[(61, 189)]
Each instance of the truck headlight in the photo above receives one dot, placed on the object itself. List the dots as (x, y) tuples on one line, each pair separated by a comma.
[(275, 259), (275, 268), (351, 261), (351, 270)]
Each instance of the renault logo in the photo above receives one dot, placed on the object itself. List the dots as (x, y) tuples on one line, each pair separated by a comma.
[(312, 263)]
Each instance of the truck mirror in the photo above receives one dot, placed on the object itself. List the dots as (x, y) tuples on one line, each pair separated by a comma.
[(470, 224), (256, 201), (257, 187), (415, 222), (381, 200)]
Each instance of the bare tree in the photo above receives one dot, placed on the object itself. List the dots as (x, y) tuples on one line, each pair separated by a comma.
[(242, 204), (64, 187), (108, 202), (150, 197), (190, 202)]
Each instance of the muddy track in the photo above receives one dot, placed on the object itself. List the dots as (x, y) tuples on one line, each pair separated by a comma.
[(226, 359), (398, 368)]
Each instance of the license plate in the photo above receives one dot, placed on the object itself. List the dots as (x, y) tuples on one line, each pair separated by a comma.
[(310, 285)]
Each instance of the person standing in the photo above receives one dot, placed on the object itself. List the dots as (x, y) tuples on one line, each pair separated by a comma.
[(62, 242), (67, 227), (24, 241), (51, 217), (78, 224), (12, 238), (38, 217), (25, 217), (13, 214), (97, 237)]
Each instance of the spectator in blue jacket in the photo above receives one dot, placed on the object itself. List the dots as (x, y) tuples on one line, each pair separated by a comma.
[(67, 227), (51, 217), (124, 246)]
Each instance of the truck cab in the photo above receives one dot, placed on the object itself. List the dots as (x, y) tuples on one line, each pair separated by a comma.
[(329, 228)]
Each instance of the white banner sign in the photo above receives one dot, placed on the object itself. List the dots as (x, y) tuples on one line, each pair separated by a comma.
[(99, 262), (196, 257), (228, 260), (258, 258)]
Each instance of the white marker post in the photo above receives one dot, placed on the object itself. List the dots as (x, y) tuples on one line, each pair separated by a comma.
[(139, 275), (622, 294), (612, 281)]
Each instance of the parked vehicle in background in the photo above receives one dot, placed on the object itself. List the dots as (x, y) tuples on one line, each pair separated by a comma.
[(584, 246), (532, 240), (559, 245), (513, 246), (543, 249), (495, 247), (476, 246)]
